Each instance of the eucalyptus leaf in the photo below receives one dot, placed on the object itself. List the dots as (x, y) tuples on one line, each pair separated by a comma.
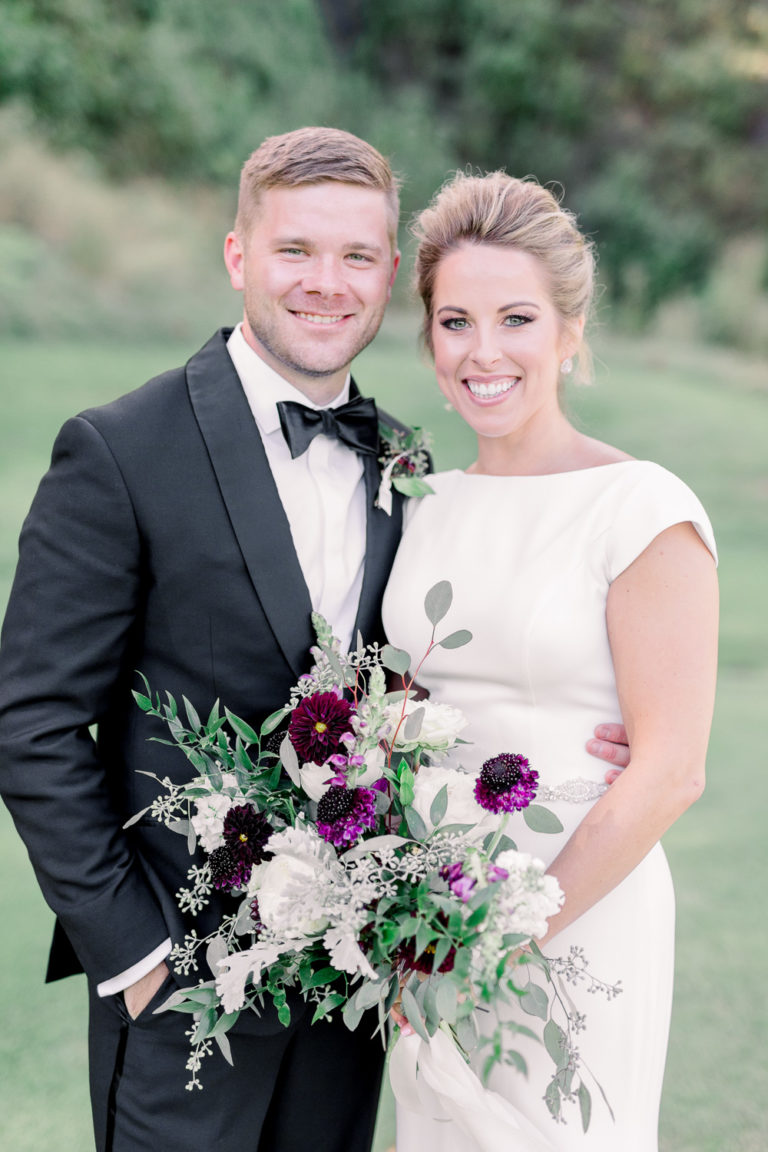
[(395, 659), (540, 819), (466, 1032), (552, 1098), (555, 1044), (456, 639), (244, 924), (413, 723), (412, 1014), (438, 601), (137, 817), (447, 1000), (205, 1025), (222, 1040), (290, 760), (173, 1001), (585, 1105), (351, 1014), (535, 1001), (216, 950), (438, 807), (367, 994), (225, 1022)]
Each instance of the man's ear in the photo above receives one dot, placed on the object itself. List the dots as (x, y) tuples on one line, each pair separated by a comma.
[(233, 258), (395, 266)]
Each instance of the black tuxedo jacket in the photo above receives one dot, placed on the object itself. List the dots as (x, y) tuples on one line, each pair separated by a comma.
[(157, 542)]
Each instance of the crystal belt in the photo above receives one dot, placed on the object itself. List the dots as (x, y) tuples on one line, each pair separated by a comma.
[(578, 791)]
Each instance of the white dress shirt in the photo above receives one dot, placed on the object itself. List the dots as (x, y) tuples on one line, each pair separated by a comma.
[(323, 494)]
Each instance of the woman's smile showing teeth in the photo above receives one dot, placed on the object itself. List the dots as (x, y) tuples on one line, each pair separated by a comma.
[(489, 389)]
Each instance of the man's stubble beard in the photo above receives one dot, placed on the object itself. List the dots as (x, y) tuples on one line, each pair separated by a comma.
[(272, 343)]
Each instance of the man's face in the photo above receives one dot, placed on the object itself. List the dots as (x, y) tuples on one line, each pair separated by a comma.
[(316, 271)]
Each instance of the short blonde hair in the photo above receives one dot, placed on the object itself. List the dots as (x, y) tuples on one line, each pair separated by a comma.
[(504, 210), (313, 156)]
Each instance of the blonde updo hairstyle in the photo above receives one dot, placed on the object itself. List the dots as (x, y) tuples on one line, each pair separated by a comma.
[(503, 210)]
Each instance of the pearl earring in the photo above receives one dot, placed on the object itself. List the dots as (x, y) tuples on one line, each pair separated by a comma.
[(567, 366)]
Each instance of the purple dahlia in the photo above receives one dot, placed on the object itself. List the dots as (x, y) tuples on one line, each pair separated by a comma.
[(343, 814), (318, 724), (506, 783), (246, 832)]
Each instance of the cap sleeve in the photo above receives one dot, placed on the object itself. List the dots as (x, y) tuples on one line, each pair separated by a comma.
[(657, 500)]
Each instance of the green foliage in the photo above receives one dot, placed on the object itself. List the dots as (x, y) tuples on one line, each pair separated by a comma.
[(651, 115)]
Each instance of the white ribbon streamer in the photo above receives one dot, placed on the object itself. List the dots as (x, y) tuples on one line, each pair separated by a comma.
[(384, 498), (434, 1080)]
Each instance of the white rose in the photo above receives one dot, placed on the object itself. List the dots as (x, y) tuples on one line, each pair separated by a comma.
[(462, 807), (440, 725), (286, 896), (315, 779)]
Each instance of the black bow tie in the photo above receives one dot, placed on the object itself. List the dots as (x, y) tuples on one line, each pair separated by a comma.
[(355, 423)]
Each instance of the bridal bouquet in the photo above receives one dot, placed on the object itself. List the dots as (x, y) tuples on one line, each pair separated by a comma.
[(364, 871)]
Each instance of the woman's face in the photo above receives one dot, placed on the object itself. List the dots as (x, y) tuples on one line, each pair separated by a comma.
[(498, 340)]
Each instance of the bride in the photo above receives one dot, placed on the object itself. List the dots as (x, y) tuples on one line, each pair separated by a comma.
[(588, 582)]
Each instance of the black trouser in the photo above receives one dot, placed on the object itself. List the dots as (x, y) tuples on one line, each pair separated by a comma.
[(298, 1089)]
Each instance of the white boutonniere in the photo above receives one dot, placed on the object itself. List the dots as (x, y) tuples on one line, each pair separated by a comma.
[(404, 462)]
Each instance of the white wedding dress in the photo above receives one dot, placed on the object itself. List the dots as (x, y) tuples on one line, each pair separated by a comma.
[(530, 559)]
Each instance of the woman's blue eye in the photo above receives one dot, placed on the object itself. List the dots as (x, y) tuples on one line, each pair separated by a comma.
[(454, 323), (515, 320)]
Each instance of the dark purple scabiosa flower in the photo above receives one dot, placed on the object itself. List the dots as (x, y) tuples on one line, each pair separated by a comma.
[(506, 783), (406, 954), (460, 884), (246, 831), (226, 870), (343, 814), (317, 725)]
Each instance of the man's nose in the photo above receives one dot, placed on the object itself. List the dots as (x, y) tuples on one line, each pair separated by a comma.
[(325, 277)]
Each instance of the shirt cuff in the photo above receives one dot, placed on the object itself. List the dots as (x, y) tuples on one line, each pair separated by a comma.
[(124, 979)]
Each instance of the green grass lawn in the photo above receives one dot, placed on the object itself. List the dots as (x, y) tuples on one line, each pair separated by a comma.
[(703, 414)]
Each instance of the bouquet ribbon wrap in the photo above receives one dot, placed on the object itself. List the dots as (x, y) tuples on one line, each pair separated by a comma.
[(434, 1080)]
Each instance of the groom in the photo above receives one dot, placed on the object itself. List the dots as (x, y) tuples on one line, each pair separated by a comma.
[(187, 530)]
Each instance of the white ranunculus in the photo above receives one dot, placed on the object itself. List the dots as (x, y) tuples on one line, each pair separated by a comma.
[(286, 897), (462, 806), (210, 810), (440, 726)]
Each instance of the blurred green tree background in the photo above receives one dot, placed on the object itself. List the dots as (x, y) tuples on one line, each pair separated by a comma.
[(123, 126)]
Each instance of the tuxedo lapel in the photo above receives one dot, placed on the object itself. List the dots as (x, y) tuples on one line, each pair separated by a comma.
[(381, 540), (249, 492)]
